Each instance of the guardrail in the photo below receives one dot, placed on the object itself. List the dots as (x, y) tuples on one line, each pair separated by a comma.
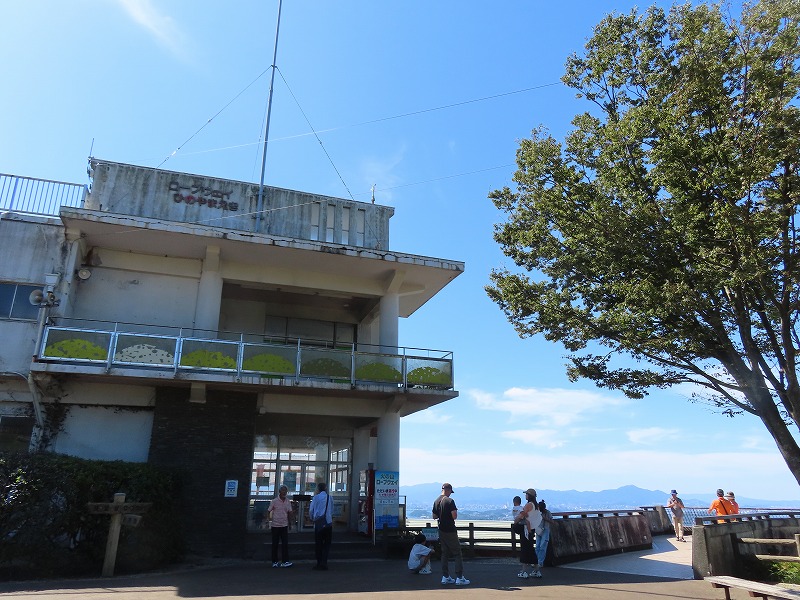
[(122, 346), (39, 196), (762, 515)]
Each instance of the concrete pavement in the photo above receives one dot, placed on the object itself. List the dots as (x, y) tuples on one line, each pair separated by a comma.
[(493, 578)]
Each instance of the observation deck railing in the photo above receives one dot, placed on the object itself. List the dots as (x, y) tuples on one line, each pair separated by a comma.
[(38, 196), (126, 345)]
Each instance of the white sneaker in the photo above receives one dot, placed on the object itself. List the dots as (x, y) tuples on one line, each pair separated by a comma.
[(446, 580), (462, 581), (426, 570), (537, 574), (523, 575)]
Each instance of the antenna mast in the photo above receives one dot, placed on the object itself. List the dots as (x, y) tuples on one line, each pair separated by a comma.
[(260, 203)]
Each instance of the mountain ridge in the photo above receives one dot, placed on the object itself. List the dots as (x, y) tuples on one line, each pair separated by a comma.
[(420, 497)]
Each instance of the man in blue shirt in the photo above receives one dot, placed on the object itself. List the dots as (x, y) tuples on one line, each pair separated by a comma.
[(321, 513)]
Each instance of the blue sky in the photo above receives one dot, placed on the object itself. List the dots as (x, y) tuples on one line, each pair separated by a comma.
[(424, 100)]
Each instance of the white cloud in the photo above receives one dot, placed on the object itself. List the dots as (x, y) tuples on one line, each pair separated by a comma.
[(651, 436), (547, 438), (549, 407), (752, 474), (161, 26), (427, 417)]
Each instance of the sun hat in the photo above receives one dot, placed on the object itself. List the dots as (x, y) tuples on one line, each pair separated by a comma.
[(673, 491)]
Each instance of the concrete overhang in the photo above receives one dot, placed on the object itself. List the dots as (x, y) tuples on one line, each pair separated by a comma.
[(286, 395), (370, 271)]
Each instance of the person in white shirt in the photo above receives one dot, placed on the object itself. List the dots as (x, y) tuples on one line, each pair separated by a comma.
[(419, 559)]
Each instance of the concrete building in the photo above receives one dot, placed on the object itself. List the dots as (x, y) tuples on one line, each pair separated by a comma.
[(192, 322)]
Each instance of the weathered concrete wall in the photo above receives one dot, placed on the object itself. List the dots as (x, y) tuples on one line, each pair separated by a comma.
[(171, 196), (580, 538), (713, 550)]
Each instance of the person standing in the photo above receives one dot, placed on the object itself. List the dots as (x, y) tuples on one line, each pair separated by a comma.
[(321, 513), (280, 510), (446, 512), (734, 504), (543, 538), (720, 506), (532, 518), (675, 504)]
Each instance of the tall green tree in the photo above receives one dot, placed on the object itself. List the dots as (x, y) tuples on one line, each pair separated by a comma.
[(664, 228)]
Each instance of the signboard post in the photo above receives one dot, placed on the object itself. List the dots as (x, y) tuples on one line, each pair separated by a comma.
[(121, 514), (387, 500)]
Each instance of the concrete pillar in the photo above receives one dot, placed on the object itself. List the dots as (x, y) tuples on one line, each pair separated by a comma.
[(389, 317), (209, 294), (388, 458)]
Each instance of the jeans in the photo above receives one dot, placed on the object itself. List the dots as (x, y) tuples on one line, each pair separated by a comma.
[(541, 545), (280, 535)]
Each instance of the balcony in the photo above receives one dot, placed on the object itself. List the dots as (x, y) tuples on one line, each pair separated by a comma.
[(242, 357)]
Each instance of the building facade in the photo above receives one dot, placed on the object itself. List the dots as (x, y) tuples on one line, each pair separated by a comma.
[(246, 337)]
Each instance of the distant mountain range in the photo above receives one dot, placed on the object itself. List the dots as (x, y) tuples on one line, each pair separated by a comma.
[(494, 504)]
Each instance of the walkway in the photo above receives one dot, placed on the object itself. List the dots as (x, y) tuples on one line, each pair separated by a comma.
[(492, 579)]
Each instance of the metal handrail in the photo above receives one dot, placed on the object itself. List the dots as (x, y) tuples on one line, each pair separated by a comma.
[(39, 196), (189, 352)]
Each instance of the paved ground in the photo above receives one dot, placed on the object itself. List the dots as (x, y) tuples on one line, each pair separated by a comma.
[(491, 578)]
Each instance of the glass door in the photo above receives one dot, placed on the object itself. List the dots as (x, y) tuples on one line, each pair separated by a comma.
[(301, 478)]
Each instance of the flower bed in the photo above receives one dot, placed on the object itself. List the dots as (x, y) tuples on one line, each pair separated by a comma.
[(76, 348)]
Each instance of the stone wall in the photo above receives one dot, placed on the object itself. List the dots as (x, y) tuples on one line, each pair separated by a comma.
[(209, 443), (713, 549), (579, 538)]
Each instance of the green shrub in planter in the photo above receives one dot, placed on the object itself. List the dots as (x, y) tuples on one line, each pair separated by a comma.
[(268, 363), (76, 348), (207, 359), (324, 367), (428, 376), (379, 372)]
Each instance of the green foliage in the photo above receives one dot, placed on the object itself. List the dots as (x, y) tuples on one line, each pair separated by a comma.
[(428, 376), (785, 572), (268, 363), (324, 367), (76, 348), (46, 530), (663, 229), (207, 359), (379, 372)]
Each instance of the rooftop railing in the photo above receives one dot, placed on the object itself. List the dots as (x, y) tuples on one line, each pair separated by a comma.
[(125, 345), (38, 196)]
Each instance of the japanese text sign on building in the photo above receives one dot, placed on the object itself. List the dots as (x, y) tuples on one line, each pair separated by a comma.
[(387, 499)]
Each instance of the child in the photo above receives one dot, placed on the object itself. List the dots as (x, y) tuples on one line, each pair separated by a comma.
[(419, 560), (517, 508)]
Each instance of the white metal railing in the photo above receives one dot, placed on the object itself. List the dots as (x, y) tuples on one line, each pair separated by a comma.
[(120, 345), (38, 196)]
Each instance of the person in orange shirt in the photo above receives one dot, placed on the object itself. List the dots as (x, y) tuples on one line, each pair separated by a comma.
[(734, 505), (720, 506)]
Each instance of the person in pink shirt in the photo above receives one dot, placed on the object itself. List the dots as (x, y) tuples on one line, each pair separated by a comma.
[(280, 510)]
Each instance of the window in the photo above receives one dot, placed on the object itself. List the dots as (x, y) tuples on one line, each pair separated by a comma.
[(315, 222), (14, 302), (346, 225), (359, 227), (15, 433), (330, 221)]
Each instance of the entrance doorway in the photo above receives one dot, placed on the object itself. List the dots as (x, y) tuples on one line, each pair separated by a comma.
[(299, 463)]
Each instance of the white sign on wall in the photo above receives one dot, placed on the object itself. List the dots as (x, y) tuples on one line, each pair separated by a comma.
[(231, 488)]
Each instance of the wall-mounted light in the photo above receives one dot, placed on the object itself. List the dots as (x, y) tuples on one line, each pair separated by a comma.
[(84, 274)]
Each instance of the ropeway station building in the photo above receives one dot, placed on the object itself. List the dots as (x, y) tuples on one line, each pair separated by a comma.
[(250, 339)]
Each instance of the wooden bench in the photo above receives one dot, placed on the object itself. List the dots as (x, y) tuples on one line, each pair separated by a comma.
[(754, 588)]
